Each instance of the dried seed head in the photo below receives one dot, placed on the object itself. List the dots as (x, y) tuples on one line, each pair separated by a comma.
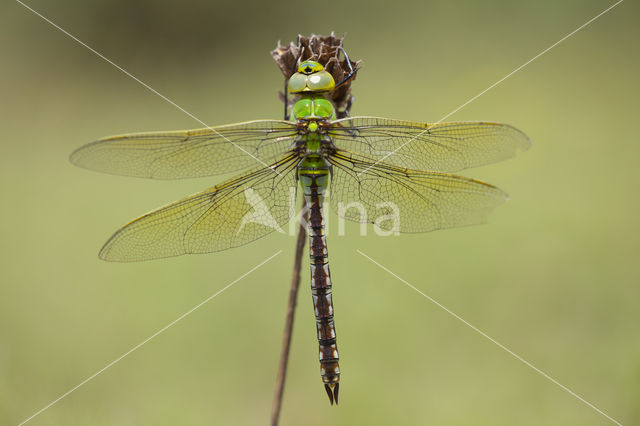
[(325, 50)]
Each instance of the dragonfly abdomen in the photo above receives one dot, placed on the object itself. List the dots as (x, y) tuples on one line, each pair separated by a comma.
[(314, 182)]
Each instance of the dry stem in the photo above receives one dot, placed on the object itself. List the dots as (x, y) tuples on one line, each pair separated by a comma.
[(288, 327)]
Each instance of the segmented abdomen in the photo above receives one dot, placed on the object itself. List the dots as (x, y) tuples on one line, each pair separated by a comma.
[(314, 183)]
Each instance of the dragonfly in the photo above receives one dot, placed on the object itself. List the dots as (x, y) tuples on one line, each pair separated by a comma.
[(387, 168)]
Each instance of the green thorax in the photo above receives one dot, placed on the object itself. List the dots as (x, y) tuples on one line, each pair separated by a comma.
[(311, 83), (312, 106), (313, 171)]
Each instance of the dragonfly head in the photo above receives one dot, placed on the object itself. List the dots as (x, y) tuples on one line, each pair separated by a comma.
[(311, 77)]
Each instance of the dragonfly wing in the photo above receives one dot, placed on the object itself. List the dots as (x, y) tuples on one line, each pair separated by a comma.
[(228, 215), (188, 153), (404, 200), (441, 147)]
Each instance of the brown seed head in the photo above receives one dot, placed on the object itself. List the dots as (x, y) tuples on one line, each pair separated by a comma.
[(325, 50)]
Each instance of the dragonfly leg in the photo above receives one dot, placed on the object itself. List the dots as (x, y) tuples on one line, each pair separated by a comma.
[(352, 72), (286, 99), (347, 109)]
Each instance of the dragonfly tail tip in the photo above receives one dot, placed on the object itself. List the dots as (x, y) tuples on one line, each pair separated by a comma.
[(332, 392)]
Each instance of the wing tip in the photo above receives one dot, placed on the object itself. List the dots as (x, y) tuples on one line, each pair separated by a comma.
[(104, 253), (521, 139), (76, 156), (524, 142)]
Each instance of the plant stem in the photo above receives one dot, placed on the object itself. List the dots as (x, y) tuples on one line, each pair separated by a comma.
[(288, 327)]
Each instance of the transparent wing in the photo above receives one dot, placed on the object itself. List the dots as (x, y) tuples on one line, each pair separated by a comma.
[(440, 147), (188, 153), (404, 200), (231, 214)]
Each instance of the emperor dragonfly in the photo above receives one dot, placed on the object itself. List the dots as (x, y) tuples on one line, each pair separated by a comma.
[(387, 166)]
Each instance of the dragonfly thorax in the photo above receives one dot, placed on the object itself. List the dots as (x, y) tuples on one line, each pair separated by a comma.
[(312, 106)]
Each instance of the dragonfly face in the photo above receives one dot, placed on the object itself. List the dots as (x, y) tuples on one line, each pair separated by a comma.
[(381, 165)]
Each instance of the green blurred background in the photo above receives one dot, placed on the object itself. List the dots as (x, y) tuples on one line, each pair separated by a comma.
[(553, 276)]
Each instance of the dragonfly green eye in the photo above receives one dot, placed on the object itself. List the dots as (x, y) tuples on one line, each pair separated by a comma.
[(310, 67), (319, 81)]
